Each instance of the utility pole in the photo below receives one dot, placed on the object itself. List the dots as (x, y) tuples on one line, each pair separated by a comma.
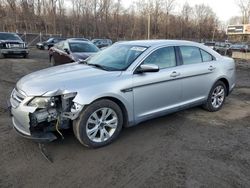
[(149, 26), (213, 34)]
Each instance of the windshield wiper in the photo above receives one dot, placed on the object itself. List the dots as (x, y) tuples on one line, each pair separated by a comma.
[(82, 62), (98, 66), (92, 64)]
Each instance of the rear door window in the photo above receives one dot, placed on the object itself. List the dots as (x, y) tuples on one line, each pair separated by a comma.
[(190, 55)]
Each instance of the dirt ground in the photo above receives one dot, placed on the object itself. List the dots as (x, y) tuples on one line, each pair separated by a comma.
[(192, 148)]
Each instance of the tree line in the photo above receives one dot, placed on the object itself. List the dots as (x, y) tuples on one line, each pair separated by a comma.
[(110, 19)]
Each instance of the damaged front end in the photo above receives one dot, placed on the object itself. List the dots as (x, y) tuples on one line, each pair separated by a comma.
[(39, 118)]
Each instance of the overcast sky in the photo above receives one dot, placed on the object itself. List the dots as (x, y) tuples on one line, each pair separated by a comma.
[(224, 9)]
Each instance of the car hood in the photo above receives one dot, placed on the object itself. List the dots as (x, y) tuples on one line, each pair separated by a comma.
[(12, 41), (82, 55), (68, 77)]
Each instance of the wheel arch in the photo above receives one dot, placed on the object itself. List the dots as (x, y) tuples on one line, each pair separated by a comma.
[(226, 82), (121, 105)]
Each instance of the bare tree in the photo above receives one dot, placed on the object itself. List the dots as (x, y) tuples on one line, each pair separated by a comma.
[(244, 6), (235, 20), (206, 20), (108, 18), (186, 21), (169, 6)]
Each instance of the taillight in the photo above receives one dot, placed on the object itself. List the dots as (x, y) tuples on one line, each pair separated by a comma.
[(242, 50)]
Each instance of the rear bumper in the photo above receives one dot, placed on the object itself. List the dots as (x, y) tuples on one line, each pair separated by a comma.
[(14, 51)]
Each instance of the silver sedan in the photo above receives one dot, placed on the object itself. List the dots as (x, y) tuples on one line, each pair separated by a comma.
[(121, 86)]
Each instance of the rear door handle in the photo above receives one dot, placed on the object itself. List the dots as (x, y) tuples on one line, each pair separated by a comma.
[(211, 68), (175, 74)]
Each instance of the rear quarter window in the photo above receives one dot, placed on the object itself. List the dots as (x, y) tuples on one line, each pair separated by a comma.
[(206, 57)]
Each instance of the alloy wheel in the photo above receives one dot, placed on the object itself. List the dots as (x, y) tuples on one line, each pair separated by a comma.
[(101, 125), (218, 96)]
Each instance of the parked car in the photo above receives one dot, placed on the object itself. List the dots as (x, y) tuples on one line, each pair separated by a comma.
[(238, 47), (46, 45), (222, 48), (210, 44), (12, 44), (101, 43), (70, 51), (121, 86)]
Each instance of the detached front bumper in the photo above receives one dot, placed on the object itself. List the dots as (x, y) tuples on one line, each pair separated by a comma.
[(20, 118), (14, 51), (38, 137)]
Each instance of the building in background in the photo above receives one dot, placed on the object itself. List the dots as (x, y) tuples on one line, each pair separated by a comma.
[(239, 33)]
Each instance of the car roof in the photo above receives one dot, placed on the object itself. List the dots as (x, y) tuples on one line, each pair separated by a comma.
[(159, 43), (101, 39), (58, 38), (151, 43), (80, 41)]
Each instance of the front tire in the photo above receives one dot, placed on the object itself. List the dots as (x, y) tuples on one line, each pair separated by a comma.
[(216, 97), (25, 55), (99, 124)]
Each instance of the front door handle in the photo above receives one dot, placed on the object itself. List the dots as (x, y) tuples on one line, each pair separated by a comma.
[(211, 68), (175, 74)]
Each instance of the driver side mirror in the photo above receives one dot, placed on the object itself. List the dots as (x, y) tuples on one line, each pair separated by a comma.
[(147, 68), (66, 50)]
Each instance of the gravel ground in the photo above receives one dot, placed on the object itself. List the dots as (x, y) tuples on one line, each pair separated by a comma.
[(191, 148)]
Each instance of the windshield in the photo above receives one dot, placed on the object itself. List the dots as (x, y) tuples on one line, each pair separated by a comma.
[(9, 36), (50, 40), (78, 47), (95, 40), (209, 44), (220, 44), (117, 57)]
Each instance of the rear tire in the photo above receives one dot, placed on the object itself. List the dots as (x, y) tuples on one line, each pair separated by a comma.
[(99, 124), (216, 97), (2, 56)]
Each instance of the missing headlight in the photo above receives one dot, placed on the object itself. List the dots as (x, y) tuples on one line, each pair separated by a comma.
[(42, 102)]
